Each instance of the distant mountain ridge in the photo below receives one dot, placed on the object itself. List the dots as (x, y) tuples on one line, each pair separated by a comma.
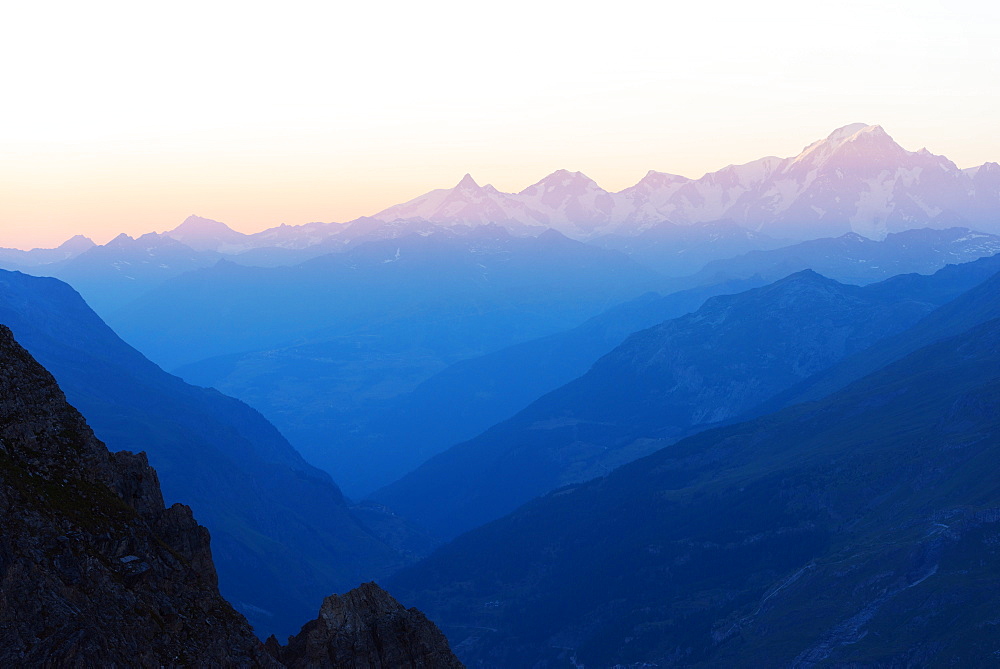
[(853, 258), (856, 179), (18, 259)]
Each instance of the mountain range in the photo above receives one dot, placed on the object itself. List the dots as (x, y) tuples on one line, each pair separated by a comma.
[(748, 419), (855, 180)]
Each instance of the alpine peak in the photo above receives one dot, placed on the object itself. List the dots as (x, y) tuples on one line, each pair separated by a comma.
[(848, 131), (121, 240), (199, 225)]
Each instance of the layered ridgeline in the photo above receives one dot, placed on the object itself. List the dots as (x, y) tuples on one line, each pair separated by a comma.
[(283, 534), (470, 396), (121, 271), (94, 571), (855, 180), (449, 293), (852, 258), (345, 377), (114, 274), (19, 259), (974, 307), (319, 346), (393, 436), (860, 530), (683, 375), (680, 250)]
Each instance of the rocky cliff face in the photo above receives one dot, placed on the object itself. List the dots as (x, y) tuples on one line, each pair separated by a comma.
[(366, 629), (95, 571)]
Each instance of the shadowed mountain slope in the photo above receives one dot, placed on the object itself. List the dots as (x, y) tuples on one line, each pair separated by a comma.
[(470, 396), (712, 365), (978, 305), (861, 530)]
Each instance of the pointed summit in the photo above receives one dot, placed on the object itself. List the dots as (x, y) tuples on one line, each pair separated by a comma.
[(122, 240), (467, 183)]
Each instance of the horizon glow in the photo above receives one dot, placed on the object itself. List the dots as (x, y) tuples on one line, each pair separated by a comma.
[(128, 118)]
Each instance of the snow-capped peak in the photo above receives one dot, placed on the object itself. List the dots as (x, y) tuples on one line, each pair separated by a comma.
[(849, 135), (563, 183), (848, 131), (654, 180)]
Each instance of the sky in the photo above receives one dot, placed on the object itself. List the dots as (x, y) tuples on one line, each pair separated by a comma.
[(128, 117)]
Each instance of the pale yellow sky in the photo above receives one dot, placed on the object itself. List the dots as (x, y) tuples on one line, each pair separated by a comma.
[(127, 117)]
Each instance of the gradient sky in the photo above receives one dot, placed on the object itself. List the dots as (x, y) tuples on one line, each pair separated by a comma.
[(127, 117)]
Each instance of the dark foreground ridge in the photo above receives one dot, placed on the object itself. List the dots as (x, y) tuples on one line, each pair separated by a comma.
[(95, 571)]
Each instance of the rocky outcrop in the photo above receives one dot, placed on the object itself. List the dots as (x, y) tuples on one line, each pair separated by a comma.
[(366, 629), (94, 571)]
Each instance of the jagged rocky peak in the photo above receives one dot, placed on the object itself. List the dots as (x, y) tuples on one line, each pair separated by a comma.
[(94, 571), (364, 628)]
